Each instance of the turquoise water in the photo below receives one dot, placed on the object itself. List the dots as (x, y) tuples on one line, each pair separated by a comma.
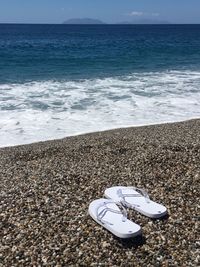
[(59, 80)]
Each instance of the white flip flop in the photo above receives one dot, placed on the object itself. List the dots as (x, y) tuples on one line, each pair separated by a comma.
[(113, 217), (137, 199)]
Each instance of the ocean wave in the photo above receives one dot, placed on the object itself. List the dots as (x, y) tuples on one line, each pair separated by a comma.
[(44, 110)]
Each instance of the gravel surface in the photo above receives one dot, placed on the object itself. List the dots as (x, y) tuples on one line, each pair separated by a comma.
[(45, 190)]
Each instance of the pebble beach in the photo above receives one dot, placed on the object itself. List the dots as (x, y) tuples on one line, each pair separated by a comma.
[(46, 188)]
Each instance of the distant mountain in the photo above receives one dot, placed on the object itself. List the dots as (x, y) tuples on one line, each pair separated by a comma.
[(96, 21), (145, 21), (83, 21)]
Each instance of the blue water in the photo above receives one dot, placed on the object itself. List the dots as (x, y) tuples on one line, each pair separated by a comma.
[(39, 52), (58, 80)]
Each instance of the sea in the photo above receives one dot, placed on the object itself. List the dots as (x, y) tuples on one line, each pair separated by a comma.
[(64, 80)]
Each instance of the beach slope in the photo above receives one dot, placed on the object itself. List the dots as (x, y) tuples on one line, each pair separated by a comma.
[(46, 189)]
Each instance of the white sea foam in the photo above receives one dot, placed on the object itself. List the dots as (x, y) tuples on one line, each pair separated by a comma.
[(39, 111)]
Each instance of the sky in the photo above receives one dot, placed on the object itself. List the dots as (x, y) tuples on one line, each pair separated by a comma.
[(109, 11)]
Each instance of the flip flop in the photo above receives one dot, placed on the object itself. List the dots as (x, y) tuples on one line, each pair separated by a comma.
[(112, 215), (137, 199)]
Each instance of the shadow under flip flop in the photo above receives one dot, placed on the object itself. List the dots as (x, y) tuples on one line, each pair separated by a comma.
[(133, 242), (164, 218)]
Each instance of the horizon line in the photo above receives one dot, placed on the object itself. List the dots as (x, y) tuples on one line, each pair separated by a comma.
[(115, 23)]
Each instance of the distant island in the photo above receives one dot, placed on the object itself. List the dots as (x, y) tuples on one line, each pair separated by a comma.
[(83, 21), (97, 21), (145, 21)]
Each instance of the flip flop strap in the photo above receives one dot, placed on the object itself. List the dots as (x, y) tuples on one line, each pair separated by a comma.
[(103, 212), (141, 193)]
